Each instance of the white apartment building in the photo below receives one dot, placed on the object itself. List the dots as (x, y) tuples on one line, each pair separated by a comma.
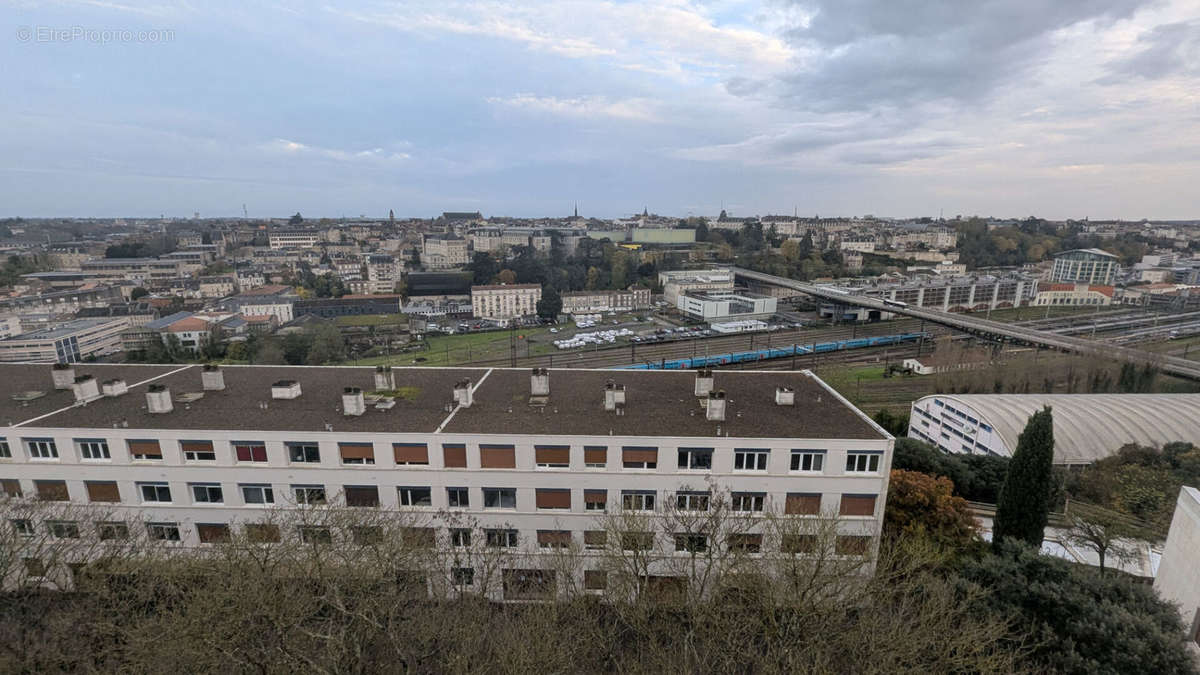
[(443, 251), (280, 239), (1085, 266), (535, 459), (633, 298), (505, 301), (382, 273), (726, 305), (680, 281)]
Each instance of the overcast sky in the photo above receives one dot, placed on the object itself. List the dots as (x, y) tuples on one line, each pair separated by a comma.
[(1055, 108)]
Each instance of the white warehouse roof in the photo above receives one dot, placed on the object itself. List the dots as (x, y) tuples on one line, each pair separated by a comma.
[(1088, 427)]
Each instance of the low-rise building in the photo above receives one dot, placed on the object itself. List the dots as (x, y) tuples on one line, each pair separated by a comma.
[(505, 301), (677, 282), (1070, 295), (726, 305), (348, 305), (69, 342), (1085, 266), (582, 302)]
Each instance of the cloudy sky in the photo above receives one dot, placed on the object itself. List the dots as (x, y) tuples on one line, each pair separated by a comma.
[(1057, 108)]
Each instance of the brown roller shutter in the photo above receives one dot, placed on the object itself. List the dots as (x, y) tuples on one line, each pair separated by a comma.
[(145, 448), (552, 454), (803, 504), (411, 453), (595, 538), (52, 490), (357, 450), (196, 446), (595, 580), (553, 499), (212, 533), (262, 532), (852, 545), (798, 543), (362, 495), (454, 455), (595, 496), (497, 457), (103, 491), (554, 537), (11, 487), (595, 454), (639, 455), (858, 505)]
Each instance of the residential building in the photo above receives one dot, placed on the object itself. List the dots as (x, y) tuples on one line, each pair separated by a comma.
[(133, 269), (505, 301), (69, 342), (1084, 266), (443, 251), (275, 300), (382, 273), (65, 301), (217, 286), (281, 239), (630, 299)]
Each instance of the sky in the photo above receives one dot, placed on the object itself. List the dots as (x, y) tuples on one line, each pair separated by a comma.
[(1006, 108)]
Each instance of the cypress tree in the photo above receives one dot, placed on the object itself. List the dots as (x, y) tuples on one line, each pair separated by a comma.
[(1025, 498)]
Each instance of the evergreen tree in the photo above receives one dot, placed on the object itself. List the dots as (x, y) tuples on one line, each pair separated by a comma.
[(550, 304), (1026, 496)]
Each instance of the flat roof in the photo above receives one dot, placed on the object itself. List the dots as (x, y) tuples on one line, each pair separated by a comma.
[(658, 403), (62, 330)]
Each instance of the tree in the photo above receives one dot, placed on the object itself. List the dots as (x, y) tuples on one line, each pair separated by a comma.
[(896, 425), (415, 260), (268, 353), (702, 231), (327, 345), (483, 268), (925, 506), (138, 292), (1103, 531), (507, 277), (550, 305), (1025, 500)]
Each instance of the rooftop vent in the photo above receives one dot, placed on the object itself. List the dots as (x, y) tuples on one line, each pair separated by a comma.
[(212, 378), (64, 375), (539, 382), (86, 389), (614, 394), (463, 394), (785, 396), (385, 379), (704, 382), (158, 399), (285, 389), (715, 410), (114, 387), (353, 402)]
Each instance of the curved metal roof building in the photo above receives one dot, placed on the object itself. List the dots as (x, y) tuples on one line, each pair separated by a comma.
[(1087, 427)]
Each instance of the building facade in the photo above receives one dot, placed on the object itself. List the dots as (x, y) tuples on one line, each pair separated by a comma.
[(680, 281), (1072, 295), (505, 301), (630, 299), (281, 239), (70, 342), (725, 305), (348, 305), (1084, 266), (443, 251)]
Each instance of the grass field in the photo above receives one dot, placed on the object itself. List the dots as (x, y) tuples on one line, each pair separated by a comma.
[(1032, 313), (372, 320), (467, 348)]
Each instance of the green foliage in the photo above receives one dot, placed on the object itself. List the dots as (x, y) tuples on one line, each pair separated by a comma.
[(1139, 481), (16, 265), (1028, 492), (138, 292), (977, 478), (896, 425), (550, 305), (920, 505), (325, 344), (219, 267), (483, 268)]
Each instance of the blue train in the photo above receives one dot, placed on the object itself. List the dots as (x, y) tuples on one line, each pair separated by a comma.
[(776, 352)]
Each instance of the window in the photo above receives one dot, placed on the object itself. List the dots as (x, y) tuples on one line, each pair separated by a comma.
[(257, 494), (155, 492), (595, 539), (42, 448), (595, 456), (163, 531), (554, 538), (10, 487), (750, 459), (366, 535), (454, 455), (458, 497), (798, 543), (595, 580), (357, 453), (862, 462), (250, 451), (637, 540), (112, 531), (552, 456), (595, 500), (852, 545), (364, 496), (552, 499), (145, 450), (415, 496), (639, 457), (198, 451), (745, 543), (499, 498), (212, 533), (857, 505), (5, 451), (691, 543), (500, 538), (34, 567), (93, 449), (102, 491), (808, 460), (802, 504), (410, 454), (460, 537), (695, 458), (692, 501), (636, 500), (207, 493), (463, 576), (304, 453), (497, 456), (52, 490), (23, 527), (262, 533), (748, 501), (315, 534), (309, 494)]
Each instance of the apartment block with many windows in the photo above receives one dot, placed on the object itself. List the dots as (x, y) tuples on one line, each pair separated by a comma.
[(534, 458)]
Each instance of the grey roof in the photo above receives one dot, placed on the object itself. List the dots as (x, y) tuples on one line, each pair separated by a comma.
[(159, 324), (1093, 251), (61, 330), (1088, 427)]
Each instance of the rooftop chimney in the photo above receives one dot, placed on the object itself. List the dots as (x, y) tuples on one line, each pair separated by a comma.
[(539, 382), (463, 394), (158, 399), (212, 378), (619, 396), (610, 396), (385, 380), (352, 401), (704, 381), (715, 411), (86, 389), (285, 389), (64, 375), (114, 387), (785, 396)]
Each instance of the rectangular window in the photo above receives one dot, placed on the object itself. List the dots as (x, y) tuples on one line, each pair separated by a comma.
[(155, 492), (863, 462), (857, 505), (315, 534), (460, 537), (357, 453), (415, 496), (63, 529), (262, 533), (552, 499), (410, 454), (364, 496), (695, 458), (552, 456), (23, 527), (112, 531), (309, 494), (595, 580), (748, 501), (5, 451), (750, 459), (207, 493), (212, 533), (595, 539), (639, 457), (462, 576), (852, 545), (637, 500), (497, 456), (10, 487), (145, 450), (691, 543), (366, 535), (692, 501), (41, 448), (102, 491), (93, 449), (454, 455), (198, 451), (554, 538), (499, 498), (808, 460), (802, 504), (250, 451), (500, 538), (163, 531), (304, 453), (595, 500), (52, 490), (637, 540), (458, 497), (595, 456), (745, 543), (258, 493)]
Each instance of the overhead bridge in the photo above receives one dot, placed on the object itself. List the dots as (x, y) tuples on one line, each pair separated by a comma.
[(966, 323)]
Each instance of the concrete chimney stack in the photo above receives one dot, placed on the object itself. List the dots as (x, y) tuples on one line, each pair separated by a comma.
[(463, 394), (64, 375), (86, 389), (158, 399), (285, 390), (785, 396), (212, 378), (619, 396), (385, 379), (352, 402), (539, 382), (114, 387), (704, 382), (610, 396), (715, 411)]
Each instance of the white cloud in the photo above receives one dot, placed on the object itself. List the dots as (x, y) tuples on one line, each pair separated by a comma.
[(283, 145), (586, 107)]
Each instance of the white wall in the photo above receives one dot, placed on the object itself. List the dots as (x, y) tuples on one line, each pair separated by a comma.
[(1178, 578)]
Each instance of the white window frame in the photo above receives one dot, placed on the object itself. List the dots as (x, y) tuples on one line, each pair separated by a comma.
[(306, 490), (460, 537), (863, 461), (266, 490), (637, 500), (405, 495), (24, 527), (206, 489), (692, 454), (93, 450), (166, 530), (512, 538), (815, 460), (42, 449), (5, 449), (191, 455), (63, 529), (501, 493), (759, 458), (466, 492), (303, 447), (156, 487), (692, 501), (757, 501)]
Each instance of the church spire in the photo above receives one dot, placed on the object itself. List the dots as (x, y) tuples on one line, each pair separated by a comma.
[(576, 210)]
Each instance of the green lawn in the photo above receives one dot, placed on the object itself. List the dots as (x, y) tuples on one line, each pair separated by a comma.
[(372, 320), (452, 350)]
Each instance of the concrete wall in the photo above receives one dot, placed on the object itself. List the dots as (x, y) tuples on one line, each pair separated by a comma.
[(1178, 578)]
